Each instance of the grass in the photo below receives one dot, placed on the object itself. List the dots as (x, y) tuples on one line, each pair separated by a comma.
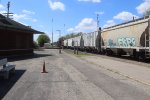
[(84, 55), (80, 54)]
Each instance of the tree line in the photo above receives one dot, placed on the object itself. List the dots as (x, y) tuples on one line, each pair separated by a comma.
[(72, 35)]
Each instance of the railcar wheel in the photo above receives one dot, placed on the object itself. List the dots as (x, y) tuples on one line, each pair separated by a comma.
[(139, 56), (109, 52)]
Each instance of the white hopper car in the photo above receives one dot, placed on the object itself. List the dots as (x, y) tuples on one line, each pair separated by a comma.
[(128, 38)]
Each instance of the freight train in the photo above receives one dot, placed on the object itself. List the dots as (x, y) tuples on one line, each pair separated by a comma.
[(130, 38)]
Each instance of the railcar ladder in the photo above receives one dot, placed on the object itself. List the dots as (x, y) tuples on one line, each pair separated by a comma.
[(147, 51)]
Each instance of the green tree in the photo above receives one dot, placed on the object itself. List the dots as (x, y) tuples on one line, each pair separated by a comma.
[(72, 35), (43, 39), (35, 45)]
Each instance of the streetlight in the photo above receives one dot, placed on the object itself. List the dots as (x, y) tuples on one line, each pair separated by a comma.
[(60, 40)]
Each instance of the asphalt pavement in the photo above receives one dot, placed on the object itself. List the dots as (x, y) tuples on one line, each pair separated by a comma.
[(68, 78)]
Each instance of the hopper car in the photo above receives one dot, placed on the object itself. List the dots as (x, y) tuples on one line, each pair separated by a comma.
[(132, 38)]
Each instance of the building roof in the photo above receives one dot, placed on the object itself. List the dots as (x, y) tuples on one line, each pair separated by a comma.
[(13, 25)]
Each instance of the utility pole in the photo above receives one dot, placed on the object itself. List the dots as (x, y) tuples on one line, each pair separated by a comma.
[(8, 6), (59, 40), (77, 47), (8, 14), (97, 22), (64, 33), (99, 33), (149, 31), (52, 32)]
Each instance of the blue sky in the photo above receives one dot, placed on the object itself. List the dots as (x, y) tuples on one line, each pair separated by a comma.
[(77, 15)]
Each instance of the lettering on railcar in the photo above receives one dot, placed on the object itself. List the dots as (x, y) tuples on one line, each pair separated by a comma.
[(126, 42), (111, 43)]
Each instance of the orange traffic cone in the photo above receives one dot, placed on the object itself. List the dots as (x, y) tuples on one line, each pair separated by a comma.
[(44, 70)]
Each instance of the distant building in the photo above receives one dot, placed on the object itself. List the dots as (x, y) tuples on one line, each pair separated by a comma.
[(15, 38)]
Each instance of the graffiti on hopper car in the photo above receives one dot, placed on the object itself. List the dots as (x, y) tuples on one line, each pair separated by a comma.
[(126, 42), (111, 43)]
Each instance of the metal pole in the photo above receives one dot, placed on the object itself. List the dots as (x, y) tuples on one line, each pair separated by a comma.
[(99, 32), (74, 50), (97, 22), (77, 47), (100, 40), (8, 6), (149, 31), (145, 40), (60, 50), (63, 38), (59, 40), (52, 32)]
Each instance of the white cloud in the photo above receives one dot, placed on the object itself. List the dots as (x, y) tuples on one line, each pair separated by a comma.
[(3, 11), (56, 5), (86, 25), (125, 16), (28, 12), (25, 15), (143, 7), (1, 6), (18, 17), (94, 1), (109, 23), (70, 30)]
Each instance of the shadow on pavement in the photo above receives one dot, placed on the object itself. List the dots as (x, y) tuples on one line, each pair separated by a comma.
[(6, 85), (24, 57)]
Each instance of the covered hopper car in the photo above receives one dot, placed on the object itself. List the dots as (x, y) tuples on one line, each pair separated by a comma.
[(130, 38)]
